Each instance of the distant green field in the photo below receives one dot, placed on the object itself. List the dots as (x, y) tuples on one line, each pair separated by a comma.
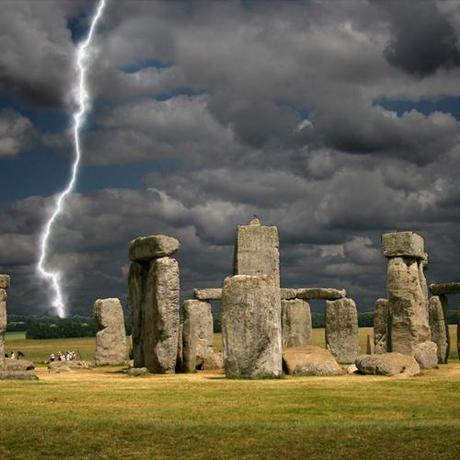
[(39, 350)]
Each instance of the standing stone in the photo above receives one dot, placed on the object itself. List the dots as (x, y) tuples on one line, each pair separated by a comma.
[(257, 250), (160, 317), (369, 345), (3, 324), (426, 354), (296, 323), (189, 340), (197, 322), (439, 328), (381, 324), (251, 326), (342, 329), (458, 332), (111, 339), (136, 286), (4, 281), (407, 305)]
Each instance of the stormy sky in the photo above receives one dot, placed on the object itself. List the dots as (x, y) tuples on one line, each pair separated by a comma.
[(336, 121)]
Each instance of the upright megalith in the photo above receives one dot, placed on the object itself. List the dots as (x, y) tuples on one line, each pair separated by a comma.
[(296, 323), (197, 333), (381, 324), (111, 345), (439, 327), (257, 250), (407, 302), (153, 295), (342, 329), (251, 326)]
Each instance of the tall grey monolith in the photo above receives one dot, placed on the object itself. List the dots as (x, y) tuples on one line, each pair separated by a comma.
[(439, 327), (251, 326), (111, 345), (342, 330), (296, 323), (381, 325)]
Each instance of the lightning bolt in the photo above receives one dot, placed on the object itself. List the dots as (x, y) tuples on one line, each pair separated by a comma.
[(83, 98)]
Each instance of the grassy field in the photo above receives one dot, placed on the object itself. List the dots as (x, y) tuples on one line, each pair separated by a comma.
[(103, 413)]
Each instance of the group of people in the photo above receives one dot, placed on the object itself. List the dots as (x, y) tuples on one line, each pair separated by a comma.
[(14, 355), (67, 356)]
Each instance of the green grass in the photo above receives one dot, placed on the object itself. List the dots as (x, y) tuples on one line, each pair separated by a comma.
[(102, 413)]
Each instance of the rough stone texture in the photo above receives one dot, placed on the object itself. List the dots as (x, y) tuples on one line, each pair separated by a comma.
[(392, 364), (180, 349), (312, 293), (137, 371), (136, 289), (4, 281), (197, 321), (458, 332), (189, 346), (17, 365), (342, 329), (160, 320), (310, 360), (407, 305), (296, 323), (251, 326), (445, 288), (208, 294), (213, 362), (59, 367), (403, 244), (439, 328), (369, 345), (257, 250), (146, 248), (111, 339), (381, 326), (426, 354), (17, 375)]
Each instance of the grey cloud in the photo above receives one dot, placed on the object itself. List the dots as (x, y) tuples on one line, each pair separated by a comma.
[(16, 133)]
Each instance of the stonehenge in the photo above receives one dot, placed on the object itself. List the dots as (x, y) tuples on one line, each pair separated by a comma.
[(153, 296), (296, 323), (111, 344), (439, 327)]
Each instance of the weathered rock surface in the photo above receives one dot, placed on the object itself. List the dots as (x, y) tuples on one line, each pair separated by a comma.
[(426, 354), (17, 375), (312, 293), (136, 290), (146, 248), (392, 364), (111, 348), (296, 323), (445, 288), (439, 328), (208, 294), (342, 329), (17, 365), (3, 324), (369, 345), (458, 331), (257, 250), (161, 316), (197, 332), (137, 371), (403, 244), (407, 305), (381, 326), (213, 362), (4, 281), (251, 326), (310, 360)]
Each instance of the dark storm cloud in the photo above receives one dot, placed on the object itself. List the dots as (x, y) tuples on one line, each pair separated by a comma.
[(272, 109), (423, 40)]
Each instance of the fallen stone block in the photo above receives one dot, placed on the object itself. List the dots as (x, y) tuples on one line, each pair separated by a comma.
[(146, 248), (403, 244), (59, 367), (213, 362), (18, 365), (426, 354), (137, 371), (17, 375), (310, 360), (391, 364)]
